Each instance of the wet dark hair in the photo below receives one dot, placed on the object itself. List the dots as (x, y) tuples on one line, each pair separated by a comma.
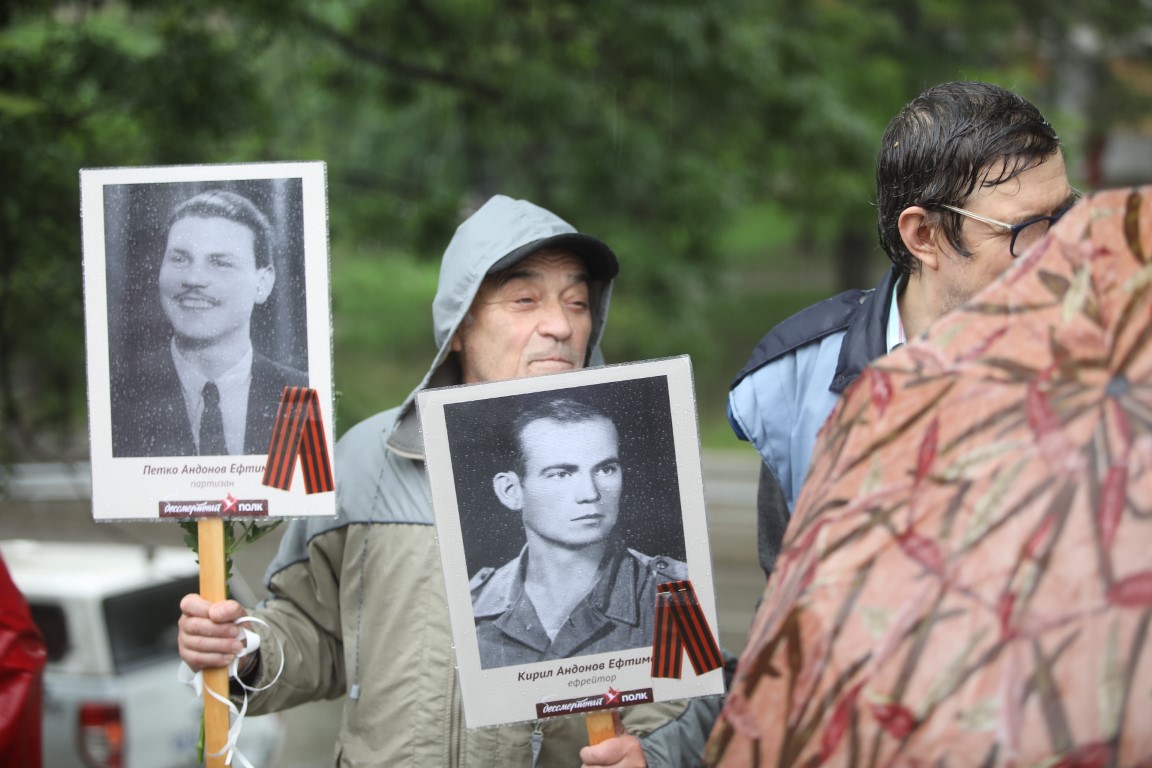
[(562, 409), (946, 143), (218, 203)]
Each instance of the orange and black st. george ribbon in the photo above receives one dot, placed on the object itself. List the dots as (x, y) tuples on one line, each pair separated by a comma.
[(681, 626), (299, 433)]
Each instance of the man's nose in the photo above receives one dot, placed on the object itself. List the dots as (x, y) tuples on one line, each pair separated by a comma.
[(587, 491), (554, 320), (196, 274)]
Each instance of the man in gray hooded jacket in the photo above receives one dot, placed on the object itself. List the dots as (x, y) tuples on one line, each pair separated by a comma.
[(357, 605)]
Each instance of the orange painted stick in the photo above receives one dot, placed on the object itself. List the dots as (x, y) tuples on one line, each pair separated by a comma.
[(603, 726), (210, 532)]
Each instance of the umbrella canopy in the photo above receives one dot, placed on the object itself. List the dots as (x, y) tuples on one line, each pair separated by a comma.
[(967, 579)]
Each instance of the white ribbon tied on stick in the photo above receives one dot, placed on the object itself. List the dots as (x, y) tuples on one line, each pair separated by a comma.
[(236, 716)]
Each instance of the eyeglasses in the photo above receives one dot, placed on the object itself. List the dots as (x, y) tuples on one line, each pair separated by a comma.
[(1025, 234)]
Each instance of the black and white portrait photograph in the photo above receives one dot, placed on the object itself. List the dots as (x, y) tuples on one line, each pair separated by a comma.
[(200, 305), (206, 315), (570, 508), (562, 503)]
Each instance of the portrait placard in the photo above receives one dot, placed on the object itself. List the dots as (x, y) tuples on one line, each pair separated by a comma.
[(567, 506), (208, 333)]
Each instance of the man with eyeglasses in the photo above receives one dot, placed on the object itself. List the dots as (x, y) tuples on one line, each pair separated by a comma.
[(968, 177)]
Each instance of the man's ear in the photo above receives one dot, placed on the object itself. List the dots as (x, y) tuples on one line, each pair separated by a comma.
[(457, 343), (918, 231), (265, 279), (508, 490)]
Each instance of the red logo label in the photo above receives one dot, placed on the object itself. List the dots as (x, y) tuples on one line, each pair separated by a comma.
[(611, 700), (229, 506)]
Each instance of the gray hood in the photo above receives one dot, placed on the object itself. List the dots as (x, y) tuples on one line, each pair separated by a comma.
[(501, 228)]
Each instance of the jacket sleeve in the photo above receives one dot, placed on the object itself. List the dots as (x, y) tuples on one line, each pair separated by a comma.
[(762, 410), (771, 519), (680, 742), (304, 630)]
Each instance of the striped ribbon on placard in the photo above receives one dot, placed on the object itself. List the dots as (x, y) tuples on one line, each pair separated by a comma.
[(299, 432), (681, 626)]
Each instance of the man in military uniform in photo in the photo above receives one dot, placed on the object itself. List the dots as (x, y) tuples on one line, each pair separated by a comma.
[(575, 588)]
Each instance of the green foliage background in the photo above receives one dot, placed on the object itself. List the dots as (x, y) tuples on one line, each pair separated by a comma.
[(723, 148)]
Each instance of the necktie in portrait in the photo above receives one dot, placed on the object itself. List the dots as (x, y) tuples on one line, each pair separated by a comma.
[(212, 423)]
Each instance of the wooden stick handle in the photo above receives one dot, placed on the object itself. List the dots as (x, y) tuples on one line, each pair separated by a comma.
[(213, 588), (602, 725)]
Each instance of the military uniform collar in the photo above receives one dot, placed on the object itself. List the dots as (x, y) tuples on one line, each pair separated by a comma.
[(613, 598)]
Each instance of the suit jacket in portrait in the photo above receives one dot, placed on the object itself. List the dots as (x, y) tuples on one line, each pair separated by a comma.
[(149, 417)]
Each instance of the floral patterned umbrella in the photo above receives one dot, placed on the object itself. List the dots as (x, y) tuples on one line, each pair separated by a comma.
[(967, 579)]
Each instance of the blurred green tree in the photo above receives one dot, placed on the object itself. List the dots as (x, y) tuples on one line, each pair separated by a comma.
[(86, 87), (652, 124)]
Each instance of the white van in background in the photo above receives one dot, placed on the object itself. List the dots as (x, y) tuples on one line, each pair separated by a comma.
[(108, 613)]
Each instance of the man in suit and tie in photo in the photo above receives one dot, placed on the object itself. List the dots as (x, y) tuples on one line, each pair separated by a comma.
[(208, 392)]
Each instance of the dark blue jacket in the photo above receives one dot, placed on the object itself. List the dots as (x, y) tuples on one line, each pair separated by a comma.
[(797, 372)]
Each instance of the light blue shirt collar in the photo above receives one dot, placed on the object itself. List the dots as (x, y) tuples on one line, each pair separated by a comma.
[(895, 330)]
